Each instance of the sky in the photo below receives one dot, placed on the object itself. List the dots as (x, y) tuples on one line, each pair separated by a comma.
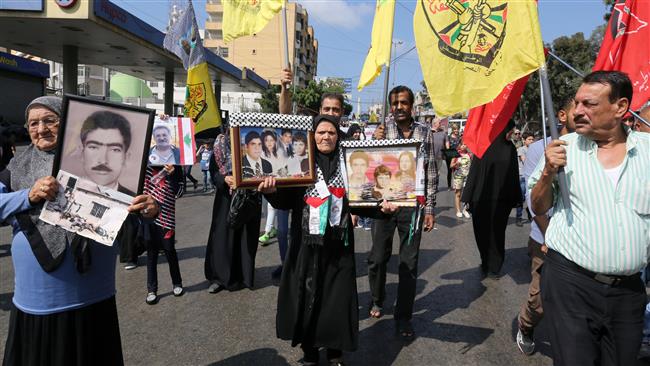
[(343, 28)]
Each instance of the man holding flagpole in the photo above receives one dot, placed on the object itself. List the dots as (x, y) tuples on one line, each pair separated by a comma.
[(591, 285)]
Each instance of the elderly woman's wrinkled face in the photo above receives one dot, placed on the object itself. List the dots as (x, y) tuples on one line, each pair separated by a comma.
[(43, 127), (326, 137)]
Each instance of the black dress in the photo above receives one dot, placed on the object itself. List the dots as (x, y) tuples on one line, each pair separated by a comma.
[(317, 299), (492, 190), (230, 254)]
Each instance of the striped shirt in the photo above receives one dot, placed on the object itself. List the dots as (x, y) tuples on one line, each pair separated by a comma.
[(607, 229), (423, 133), (163, 193)]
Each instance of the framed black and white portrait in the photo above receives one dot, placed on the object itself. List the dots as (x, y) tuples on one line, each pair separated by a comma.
[(105, 143), (100, 165)]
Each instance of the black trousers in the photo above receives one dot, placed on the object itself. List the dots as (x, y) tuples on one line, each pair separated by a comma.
[(383, 231), (591, 323), (490, 219), (449, 170), (158, 242)]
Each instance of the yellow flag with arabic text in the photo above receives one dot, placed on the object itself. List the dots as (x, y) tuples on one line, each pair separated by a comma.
[(246, 17), (381, 41), (470, 50)]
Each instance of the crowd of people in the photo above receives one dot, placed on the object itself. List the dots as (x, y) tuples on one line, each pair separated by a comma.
[(587, 253)]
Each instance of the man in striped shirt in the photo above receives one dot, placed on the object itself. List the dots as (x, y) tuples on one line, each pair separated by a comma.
[(591, 286), (402, 127)]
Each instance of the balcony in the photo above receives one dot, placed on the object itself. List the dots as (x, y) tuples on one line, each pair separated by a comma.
[(213, 25), (214, 34), (214, 7), (216, 17)]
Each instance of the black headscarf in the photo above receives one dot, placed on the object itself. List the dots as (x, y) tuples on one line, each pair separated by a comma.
[(495, 177), (352, 130), (328, 162)]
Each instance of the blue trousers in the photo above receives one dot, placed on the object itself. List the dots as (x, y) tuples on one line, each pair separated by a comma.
[(283, 232)]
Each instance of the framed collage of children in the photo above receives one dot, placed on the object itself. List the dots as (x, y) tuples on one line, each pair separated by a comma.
[(378, 170), (272, 145)]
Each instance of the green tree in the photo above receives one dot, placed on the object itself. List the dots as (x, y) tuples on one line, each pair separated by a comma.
[(269, 100), (610, 6), (578, 52), (308, 98)]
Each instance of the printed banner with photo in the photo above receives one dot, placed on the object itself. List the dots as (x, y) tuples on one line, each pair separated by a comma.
[(277, 145), (172, 142), (378, 170), (86, 208)]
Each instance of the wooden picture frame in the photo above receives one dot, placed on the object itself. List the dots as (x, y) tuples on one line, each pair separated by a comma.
[(260, 148), (383, 169), (123, 171)]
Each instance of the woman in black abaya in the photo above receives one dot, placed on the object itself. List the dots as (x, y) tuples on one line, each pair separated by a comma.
[(492, 190), (230, 253), (317, 299)]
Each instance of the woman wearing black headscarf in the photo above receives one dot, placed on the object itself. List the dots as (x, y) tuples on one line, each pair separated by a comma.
[(230, 252), (492, 190), (354, 132), (317, 300)]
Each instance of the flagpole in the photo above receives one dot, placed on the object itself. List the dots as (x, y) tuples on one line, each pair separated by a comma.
[(387, 67), (286, 38), (550, 111), (541, 96), (385, 105)]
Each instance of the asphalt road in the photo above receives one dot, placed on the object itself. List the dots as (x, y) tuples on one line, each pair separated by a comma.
[(459, 318)]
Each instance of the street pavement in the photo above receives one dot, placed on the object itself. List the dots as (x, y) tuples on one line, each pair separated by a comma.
[(459, 319)]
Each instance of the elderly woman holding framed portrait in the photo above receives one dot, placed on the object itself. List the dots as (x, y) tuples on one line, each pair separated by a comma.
[(64, 310), (325, 313)]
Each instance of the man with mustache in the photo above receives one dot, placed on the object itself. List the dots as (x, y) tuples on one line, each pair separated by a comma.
[(106, 138), (402, 126), (591, 286), (163, 152)]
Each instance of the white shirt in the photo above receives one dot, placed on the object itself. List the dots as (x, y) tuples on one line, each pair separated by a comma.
[(534, 154)]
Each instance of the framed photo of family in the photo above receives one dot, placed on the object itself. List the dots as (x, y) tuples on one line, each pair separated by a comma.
[(268, 144), (378, 170), (100, 164)]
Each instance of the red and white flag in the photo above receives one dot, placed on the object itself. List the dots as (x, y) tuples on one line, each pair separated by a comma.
[(626, 47), (485, 122)]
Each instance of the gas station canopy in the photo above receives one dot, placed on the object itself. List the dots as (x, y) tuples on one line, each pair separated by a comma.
[(105, 34)]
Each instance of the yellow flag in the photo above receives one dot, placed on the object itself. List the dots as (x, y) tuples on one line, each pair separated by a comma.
[(184, 40), (382, 36), (470, 50), (200, 103), (245, 17)]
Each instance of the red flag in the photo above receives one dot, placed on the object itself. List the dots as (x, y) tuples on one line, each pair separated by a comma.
[(486, 122), (626, 46)]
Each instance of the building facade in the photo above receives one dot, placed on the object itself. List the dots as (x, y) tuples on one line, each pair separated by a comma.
[(264, 52)]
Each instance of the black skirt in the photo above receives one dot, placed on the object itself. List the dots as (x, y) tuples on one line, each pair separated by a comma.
[(85, 336), (230, 253)]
